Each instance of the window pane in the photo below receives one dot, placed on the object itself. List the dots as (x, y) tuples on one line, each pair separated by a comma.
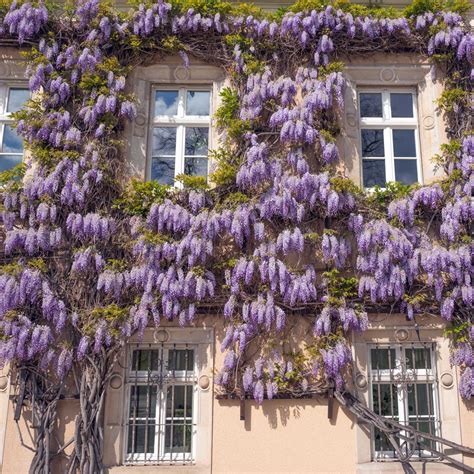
[(162, 170), (422, 358), (166, 103), (181, 359), (196, 141), (404, 143), (17, 99), (406, 172), (9, 161), (12, 143), (143, 401), (197, 102), (420, 399), (136, 437), (370, 104), (145, 360), (380, 360), (384, 397), (372, 143), (179, 401), (401, 105), (181, 435), (195, 166), (164, 141), (373, 172)]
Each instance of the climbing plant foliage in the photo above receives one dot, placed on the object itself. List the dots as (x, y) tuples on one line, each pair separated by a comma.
[(278, 234)]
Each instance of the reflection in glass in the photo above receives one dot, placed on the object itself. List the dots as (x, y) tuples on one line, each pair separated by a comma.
[(370, 104), (401, 104), (420, 399), (181, 359), (373, 172), (195, 166), (380, 359), (404, 143), (372, 143), (179, 406), (418, 358), (166, 103), (164, 141), (17, 99), (162, 170), (196, 141), (12, 143), (145, 360), (197, 102), (136, 437), (8, 162), (406, 171)]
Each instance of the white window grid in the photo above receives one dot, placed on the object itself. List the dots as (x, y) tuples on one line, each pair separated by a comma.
[(181, 121), (5, 117), (405, 379), (387, 123), (174, 378)]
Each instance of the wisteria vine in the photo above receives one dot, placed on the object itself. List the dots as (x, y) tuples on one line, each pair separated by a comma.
[(91, 259)]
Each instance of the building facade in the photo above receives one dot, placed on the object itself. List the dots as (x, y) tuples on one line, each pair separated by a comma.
[(162, 409)]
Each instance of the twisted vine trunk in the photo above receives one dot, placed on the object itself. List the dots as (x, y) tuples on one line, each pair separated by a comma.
[(88, 450)]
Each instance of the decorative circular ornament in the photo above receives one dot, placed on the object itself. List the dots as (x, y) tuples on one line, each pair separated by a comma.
[(3, 383), (428, 122), (447, 379), (161, 335), (116, 381), (181, 73), (141, 119), (402, 334), (388, 75), (204, 382), (361, 381), (351, 119)]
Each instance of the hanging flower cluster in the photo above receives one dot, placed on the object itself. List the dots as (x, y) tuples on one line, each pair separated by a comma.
[(253, 248)]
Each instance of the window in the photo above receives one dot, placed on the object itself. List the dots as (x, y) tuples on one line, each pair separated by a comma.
[(180, 137), (389, 137), (161, 392), (404, 388), (12, 99)]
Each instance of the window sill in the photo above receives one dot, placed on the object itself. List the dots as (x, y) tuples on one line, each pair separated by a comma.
[(395, 467)]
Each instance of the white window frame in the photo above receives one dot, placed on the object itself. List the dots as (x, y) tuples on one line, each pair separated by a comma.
[(180, 121), (136, 378), (387, 123), (5, 117), (425, 376)]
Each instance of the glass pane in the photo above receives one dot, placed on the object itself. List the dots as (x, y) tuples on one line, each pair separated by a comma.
[(9, 161), (143, 401), (197, 102), (12, 143), (422, 358), (382, 443), (162, 170), (164, 141), (181, 435), (372, 143), (195, 166), (166, 103), (179, 401), (420, 399), (145, 360), (136, 437), (404, 143), (17, 99), (384, 397), (401, 105), (181, 359), (406, 171), (425, 427), (196, 141), (380, 360), (370, 104), (373, 172)]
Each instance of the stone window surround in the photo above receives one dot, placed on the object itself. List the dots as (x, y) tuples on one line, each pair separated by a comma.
[(116, 401), (146, 78), (403, 71), (394, 329)]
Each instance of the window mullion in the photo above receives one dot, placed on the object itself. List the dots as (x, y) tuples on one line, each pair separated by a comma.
[(389, 164)]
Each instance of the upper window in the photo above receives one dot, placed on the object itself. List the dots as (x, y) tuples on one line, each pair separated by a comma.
[(180, 138), (404, 388), (12, 99), (162, 391), (389, 137)]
